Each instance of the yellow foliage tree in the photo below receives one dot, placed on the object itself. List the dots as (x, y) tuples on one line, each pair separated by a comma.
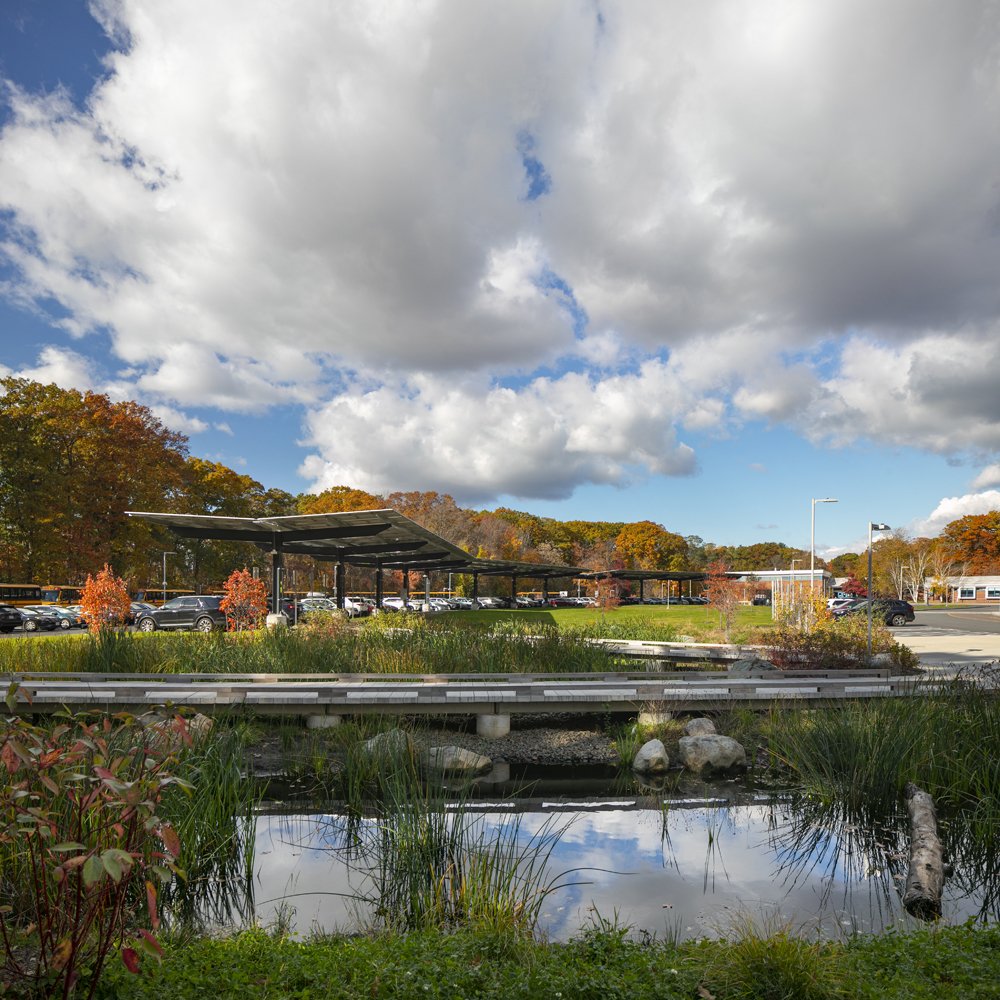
[(105, 602)]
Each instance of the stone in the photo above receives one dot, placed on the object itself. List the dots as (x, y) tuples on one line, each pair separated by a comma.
[(712, 753), (455, 760), (700, 727), (751, 665), (651, 758), (392, 744)]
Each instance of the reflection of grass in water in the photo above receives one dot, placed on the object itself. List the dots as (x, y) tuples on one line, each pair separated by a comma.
[(714, 819), (855, 761), (215, 827), (432, 866), (826, 843)]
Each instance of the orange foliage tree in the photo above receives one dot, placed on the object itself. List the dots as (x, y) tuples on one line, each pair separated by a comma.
[(245, 603), (105, 603)]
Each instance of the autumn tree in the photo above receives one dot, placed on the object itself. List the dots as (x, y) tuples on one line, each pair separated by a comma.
[(943, 565), (647, 545), (105, 602), (245, 601), (337, 499), (724, 593), (975, 541), (71, 464)]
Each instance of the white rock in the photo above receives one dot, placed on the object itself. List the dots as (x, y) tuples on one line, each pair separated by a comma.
[(455, 760), (700, 727), (711, 753), (651, 758)]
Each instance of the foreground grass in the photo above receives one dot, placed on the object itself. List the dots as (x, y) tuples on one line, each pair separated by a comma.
[(934, 963)]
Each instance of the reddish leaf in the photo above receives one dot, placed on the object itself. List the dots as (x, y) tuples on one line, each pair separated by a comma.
[(149, 943), (131, 959), (170, 840), (154, 919)]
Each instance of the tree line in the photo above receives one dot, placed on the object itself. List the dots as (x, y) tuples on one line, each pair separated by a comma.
[(72, 463)]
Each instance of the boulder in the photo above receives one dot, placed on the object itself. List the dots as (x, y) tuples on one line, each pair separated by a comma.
[(700, 727), (711, 753), (651, 758), (455, 760), (751, 665), (391, 744)]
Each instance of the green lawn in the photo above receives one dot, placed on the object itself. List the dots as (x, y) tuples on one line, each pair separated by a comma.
[(687, 619)]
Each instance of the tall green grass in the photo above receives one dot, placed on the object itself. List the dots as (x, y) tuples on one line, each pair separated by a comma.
[(409, 645), (855, 761), (429, 862)]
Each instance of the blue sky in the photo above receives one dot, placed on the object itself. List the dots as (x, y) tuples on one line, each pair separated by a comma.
[(618, 261)]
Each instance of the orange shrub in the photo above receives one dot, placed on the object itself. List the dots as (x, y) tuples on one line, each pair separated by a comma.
[(245, 603), (105, 603)]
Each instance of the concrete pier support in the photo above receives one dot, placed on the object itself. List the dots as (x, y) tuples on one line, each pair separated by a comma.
[(492, 727), (274, 620), (322, 721), (652, 717)]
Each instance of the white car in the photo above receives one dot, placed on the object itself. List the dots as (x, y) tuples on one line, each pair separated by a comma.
[(838, 602)]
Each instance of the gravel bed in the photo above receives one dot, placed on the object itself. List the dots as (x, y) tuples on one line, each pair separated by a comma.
[(541, 745)]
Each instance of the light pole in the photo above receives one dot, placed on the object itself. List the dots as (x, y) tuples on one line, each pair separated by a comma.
[(812, 544), (165, 554), (872, 526)]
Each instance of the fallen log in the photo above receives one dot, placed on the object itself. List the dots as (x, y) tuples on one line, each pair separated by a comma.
[(925, 879)]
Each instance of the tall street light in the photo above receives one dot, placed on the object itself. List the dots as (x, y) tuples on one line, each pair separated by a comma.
[(872, 526), (812, 544), (165, 554)]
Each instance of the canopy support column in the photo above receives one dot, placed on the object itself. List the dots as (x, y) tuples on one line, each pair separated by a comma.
[(339, 576), (277, 561)]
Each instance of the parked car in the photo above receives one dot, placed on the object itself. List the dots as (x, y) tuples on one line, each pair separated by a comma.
[(65, 619), (885, 609), (492, 603), (200, 613), (38, 621), (394, 604), (564, 602), (462, 603), (10, 618), (836, 603)]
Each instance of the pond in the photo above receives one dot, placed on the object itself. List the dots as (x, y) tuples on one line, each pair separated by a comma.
[(690, 860)]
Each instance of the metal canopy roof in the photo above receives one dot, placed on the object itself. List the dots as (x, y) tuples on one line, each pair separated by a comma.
[(644, 574), (375, 538)]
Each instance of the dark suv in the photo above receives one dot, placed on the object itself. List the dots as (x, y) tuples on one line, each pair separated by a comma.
[(10, 618), (889, 610), (199, 613)]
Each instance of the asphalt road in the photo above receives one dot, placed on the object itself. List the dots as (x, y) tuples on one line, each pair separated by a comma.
[(984, 619)]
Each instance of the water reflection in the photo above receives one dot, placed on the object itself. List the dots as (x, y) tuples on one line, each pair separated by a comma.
[(687, 861)]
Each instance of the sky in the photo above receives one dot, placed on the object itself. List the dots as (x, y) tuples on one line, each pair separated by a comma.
[(694, 263)]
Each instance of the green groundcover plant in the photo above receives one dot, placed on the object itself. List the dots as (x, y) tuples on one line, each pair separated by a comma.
[(606, 963)]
